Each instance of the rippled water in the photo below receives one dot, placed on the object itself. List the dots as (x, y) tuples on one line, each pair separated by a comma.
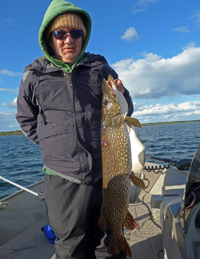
[(171, 141), (21, 162)]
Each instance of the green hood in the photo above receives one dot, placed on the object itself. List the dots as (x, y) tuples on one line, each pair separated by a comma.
[(56, 8)]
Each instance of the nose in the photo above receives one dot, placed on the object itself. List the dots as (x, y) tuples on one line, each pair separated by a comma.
[(69, 39)]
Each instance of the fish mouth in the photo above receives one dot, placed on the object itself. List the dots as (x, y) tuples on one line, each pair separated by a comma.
[(113, 91), (112, 85), (107, 88)]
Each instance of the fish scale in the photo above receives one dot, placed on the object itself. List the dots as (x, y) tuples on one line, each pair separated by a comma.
[(116, 169)]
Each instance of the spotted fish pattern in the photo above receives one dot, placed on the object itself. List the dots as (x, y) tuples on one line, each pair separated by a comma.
[(117, 175)]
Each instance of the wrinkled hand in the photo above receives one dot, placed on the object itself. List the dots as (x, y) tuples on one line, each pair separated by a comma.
[(119, 85)]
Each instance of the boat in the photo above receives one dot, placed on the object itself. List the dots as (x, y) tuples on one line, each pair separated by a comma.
[(167, 229)]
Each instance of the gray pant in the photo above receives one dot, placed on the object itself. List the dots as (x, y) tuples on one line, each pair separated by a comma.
[(73, 213)]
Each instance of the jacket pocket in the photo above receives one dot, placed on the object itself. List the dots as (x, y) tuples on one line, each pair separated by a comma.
[(53, 95), (52, 130), (56, 142)]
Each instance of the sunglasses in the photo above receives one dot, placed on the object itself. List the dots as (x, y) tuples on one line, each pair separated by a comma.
[(62, 35)]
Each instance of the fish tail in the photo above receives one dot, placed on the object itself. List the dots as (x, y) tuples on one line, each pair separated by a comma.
[(129, 222), (137, 181), (103, 223), (115, 246)]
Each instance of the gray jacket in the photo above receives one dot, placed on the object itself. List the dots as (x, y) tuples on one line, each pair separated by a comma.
[(62, 114)]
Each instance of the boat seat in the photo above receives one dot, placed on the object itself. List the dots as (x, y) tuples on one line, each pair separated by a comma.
[(172, 232), (174, 183), (174, 190), (179, 242)]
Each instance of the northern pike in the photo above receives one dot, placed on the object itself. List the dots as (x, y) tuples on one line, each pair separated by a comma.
[(116, 167)]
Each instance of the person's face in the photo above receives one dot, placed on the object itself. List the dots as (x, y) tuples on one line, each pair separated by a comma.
[(66, 50)]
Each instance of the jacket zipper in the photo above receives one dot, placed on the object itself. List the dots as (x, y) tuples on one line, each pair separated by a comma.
[(78, 143)]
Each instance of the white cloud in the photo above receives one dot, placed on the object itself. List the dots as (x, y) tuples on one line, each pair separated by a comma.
[(9, 90), (170, 112), (143, 5), (5, 72), (9, 22), (190, 45), (181, 29), (123, 64), (197, 112), (12, 104), (150, 57), (8, 121), (196, 18), (155, 77), (130, 34), (157, 109)]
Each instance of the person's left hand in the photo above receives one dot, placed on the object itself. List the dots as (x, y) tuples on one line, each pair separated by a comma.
[(119, 85)]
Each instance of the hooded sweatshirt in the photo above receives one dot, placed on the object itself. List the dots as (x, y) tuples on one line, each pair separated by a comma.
[(70, 144), (56, 8)]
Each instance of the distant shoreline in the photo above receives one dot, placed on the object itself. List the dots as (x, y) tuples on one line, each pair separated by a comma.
[(168, 122), (19, 132), (11, 133)]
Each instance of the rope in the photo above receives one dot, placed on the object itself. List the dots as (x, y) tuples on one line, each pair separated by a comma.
[(143, 202)]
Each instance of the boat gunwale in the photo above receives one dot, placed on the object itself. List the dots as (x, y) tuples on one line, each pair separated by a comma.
[(20, 191)]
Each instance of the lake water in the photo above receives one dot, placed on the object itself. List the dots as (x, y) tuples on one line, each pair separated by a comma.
[(20, 159)]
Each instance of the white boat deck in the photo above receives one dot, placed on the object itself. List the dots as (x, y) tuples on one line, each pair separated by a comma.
[(30, 244), (145, 241)]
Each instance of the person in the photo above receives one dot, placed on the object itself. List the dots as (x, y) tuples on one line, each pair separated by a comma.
[(59, 109)]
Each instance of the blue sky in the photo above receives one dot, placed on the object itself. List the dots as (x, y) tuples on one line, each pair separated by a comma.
[(154, 45)]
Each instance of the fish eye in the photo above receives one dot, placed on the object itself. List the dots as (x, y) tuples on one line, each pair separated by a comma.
[(105, 102)]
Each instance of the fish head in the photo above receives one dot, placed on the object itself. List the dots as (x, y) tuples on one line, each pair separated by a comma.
[(110, 102), (114, 105)]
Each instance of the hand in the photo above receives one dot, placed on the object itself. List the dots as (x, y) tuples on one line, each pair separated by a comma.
[(119, 85)]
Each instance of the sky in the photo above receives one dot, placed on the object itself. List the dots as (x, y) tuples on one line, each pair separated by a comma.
[(154, 46)]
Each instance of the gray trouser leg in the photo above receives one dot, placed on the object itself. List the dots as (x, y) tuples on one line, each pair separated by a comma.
[(73, 212)]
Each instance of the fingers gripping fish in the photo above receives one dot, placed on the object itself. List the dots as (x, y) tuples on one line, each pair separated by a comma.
[(116, 163)]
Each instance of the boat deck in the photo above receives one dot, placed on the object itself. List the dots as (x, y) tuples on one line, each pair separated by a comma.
[(145, 241), (30, 244)]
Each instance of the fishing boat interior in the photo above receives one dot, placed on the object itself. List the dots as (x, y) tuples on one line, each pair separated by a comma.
[(167, 212)]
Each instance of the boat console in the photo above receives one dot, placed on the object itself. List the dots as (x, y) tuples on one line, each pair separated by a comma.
[(181, 217)]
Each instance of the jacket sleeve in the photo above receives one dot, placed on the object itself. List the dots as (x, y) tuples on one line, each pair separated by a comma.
[(27, 110)]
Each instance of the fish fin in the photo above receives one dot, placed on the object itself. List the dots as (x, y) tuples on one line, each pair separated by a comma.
[(103, 223), (115, 245), (129, 222), (132, 121), (137, 181)]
